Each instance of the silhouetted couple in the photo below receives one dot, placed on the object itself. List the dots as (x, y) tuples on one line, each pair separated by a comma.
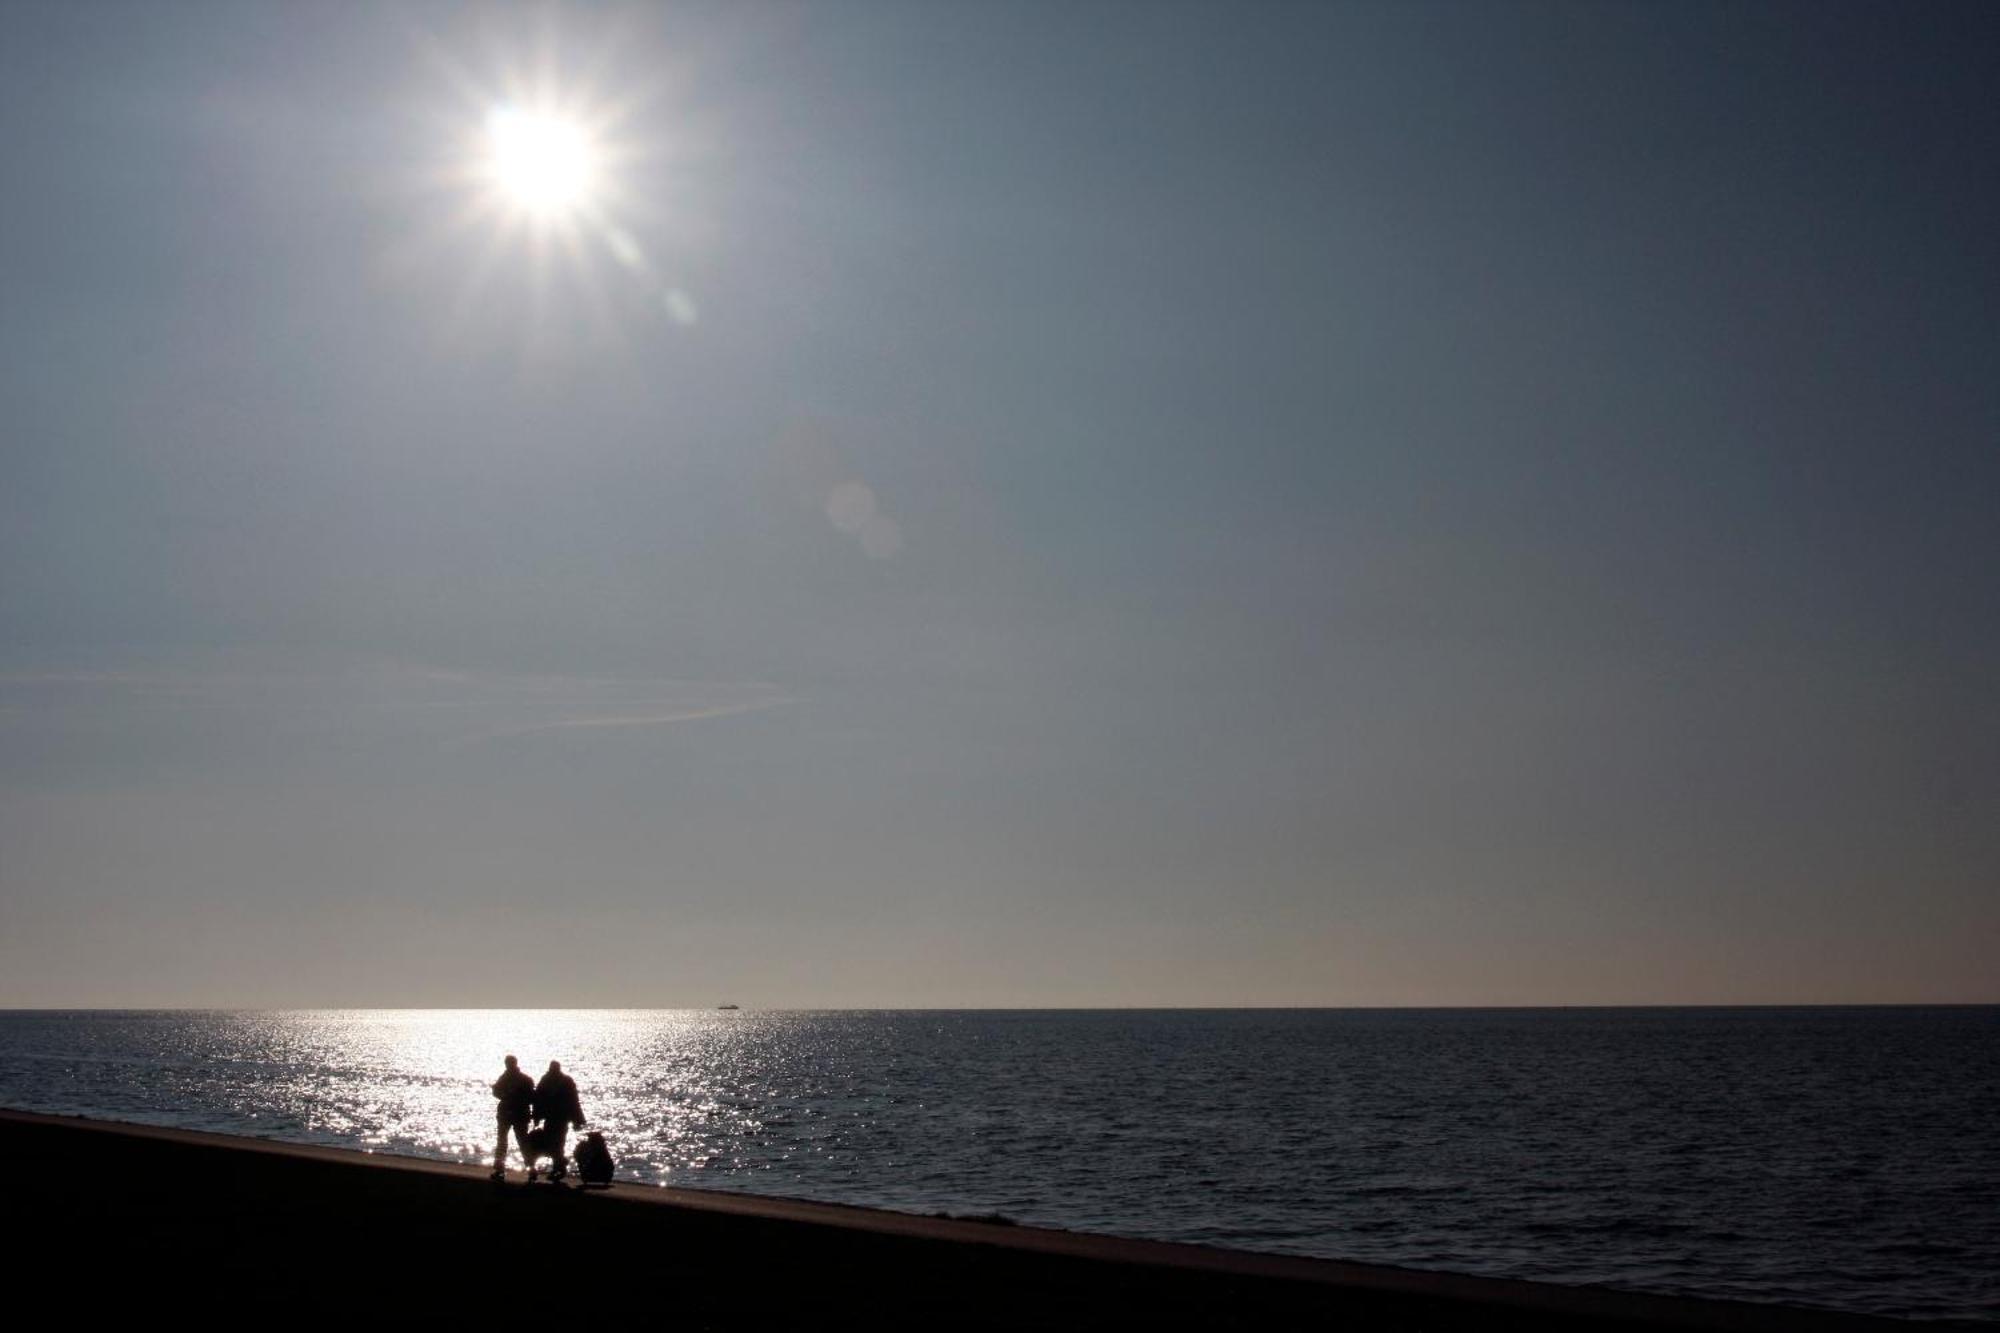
[(553, 1101)]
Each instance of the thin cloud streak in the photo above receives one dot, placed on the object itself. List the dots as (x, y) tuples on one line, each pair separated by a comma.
[(478, 707), (646, 720)]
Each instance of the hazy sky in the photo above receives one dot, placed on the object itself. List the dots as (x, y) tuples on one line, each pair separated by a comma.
[(1027, 504)]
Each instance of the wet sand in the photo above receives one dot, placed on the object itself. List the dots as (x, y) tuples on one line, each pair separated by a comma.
[(133, 1216)]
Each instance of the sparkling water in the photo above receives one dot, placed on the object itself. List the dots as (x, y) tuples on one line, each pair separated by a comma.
[(1846, 1158)]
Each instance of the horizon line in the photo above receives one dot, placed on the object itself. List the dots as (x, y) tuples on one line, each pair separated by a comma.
[(986, 1008)]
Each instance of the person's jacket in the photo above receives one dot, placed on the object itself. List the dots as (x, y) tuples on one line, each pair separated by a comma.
[(516, 1092), (556, 1100)]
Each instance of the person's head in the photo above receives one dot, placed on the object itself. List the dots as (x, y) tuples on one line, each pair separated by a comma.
[(512, 1063), (555, 1066)]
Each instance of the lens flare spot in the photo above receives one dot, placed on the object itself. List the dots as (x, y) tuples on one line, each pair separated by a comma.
[(681, 307), (851, 506), (880, 537), (625, 249)]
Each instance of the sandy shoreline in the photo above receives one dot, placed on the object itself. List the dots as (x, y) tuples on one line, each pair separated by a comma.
[(274, 1221)]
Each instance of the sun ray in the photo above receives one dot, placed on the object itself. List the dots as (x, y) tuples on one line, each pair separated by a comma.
[(473, 287), (598, 308)]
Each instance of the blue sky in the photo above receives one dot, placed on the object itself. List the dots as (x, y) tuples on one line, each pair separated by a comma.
[(1012, 504)]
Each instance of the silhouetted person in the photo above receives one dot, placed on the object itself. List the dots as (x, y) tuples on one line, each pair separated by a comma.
[(516, 1092), (593, 1160), (557, 1107)]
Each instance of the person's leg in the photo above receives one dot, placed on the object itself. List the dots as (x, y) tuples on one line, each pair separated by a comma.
[(559, 1141), (500, 1151)]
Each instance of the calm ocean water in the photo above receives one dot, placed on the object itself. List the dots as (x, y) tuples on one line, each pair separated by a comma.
[(1847, 1158)]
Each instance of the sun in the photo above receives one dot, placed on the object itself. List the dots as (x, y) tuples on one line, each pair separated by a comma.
[(549, 170), (542, 164)]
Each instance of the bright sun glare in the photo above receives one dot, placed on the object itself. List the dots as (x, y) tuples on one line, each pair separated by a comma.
[(543, 164), (547, 171)]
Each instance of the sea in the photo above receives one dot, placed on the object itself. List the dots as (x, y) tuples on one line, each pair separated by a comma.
[(1843, 1158)]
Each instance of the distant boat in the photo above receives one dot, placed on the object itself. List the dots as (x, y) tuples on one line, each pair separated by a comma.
[(728, 1006)]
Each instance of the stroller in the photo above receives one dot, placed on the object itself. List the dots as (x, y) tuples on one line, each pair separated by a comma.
[(593, 1161)]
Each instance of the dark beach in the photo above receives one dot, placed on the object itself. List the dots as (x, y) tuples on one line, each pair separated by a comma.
[(127, 1213)]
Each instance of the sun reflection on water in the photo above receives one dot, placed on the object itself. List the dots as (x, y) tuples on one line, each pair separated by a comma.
[(669, 1089)]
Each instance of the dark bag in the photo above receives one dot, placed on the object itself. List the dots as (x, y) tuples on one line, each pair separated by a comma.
[(542, 1142), (593, 1160)]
